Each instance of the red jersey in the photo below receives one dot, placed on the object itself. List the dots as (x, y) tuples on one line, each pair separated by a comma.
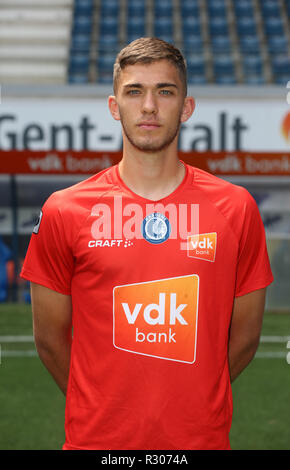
[(152, 287)]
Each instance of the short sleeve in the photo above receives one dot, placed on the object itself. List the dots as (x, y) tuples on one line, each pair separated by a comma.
[(253, 268), (49, 259)]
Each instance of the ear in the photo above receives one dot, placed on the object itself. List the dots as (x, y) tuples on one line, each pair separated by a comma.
[(114, 108), (188, 108)]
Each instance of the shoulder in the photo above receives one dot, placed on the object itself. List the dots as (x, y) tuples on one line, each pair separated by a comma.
[(67, 209), (233, 202), (78, 197), (219, 190)]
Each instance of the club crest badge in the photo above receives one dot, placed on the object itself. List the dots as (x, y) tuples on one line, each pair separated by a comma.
[(156, 228)]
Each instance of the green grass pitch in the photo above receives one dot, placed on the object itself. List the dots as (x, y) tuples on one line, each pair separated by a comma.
[(32, 407)]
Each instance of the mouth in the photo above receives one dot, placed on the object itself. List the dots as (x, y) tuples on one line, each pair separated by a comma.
[(148, 125)]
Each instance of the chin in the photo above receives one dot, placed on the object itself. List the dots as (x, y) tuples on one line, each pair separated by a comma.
[(152, 148)]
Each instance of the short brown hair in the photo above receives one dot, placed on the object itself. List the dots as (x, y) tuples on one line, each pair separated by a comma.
[(146, 51)]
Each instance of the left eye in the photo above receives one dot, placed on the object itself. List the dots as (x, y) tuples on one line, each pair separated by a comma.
[(165, 92)]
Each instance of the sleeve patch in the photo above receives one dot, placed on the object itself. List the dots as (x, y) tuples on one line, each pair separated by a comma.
[(37, 225)]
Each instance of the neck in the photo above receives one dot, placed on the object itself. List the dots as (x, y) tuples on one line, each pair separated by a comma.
[(151, 175)]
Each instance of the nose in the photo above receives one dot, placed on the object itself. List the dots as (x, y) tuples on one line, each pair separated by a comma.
[(149, 104)]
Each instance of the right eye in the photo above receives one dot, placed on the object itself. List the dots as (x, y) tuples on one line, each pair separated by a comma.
[(133, 92)]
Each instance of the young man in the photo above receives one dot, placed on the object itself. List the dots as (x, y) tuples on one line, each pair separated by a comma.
[(161, 270)]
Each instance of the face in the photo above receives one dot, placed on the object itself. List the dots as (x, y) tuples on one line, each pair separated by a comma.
[(150, 104)]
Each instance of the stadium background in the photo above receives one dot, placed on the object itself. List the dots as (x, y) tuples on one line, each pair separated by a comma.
[(56, 62)]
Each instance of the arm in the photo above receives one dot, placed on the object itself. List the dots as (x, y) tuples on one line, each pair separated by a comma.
[(245, 330), (52, 327)]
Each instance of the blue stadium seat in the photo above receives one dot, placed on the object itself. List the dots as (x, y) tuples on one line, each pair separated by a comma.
[(136, 8), (195, 65), (273, 26), (254, 80), (253, 64), (109, 25), (106, 62), (246, 26), (163, 27), (83, 7), (225, 79), (195, 79), (79, 61), (78, 70), (163, 9), (249, 44), (223, 69), (277, 44), (281, 80), (287, 5), (243, 8), (192, 43), (82, 24), (223, 64), (109, 8), (166, 37), (135, 27), (221, 44), (217, 8), (218, 26), (81, 42), (108, 42), (189, 8), (105, 65), (270, 9), (105, 79), (191, 26), (78, 78), (281, 68), (132, 37)]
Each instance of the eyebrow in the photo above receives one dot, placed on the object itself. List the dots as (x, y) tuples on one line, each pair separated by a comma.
[(158, 85)]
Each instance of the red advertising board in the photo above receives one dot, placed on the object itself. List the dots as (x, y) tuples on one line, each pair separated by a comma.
[(73, 162)]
